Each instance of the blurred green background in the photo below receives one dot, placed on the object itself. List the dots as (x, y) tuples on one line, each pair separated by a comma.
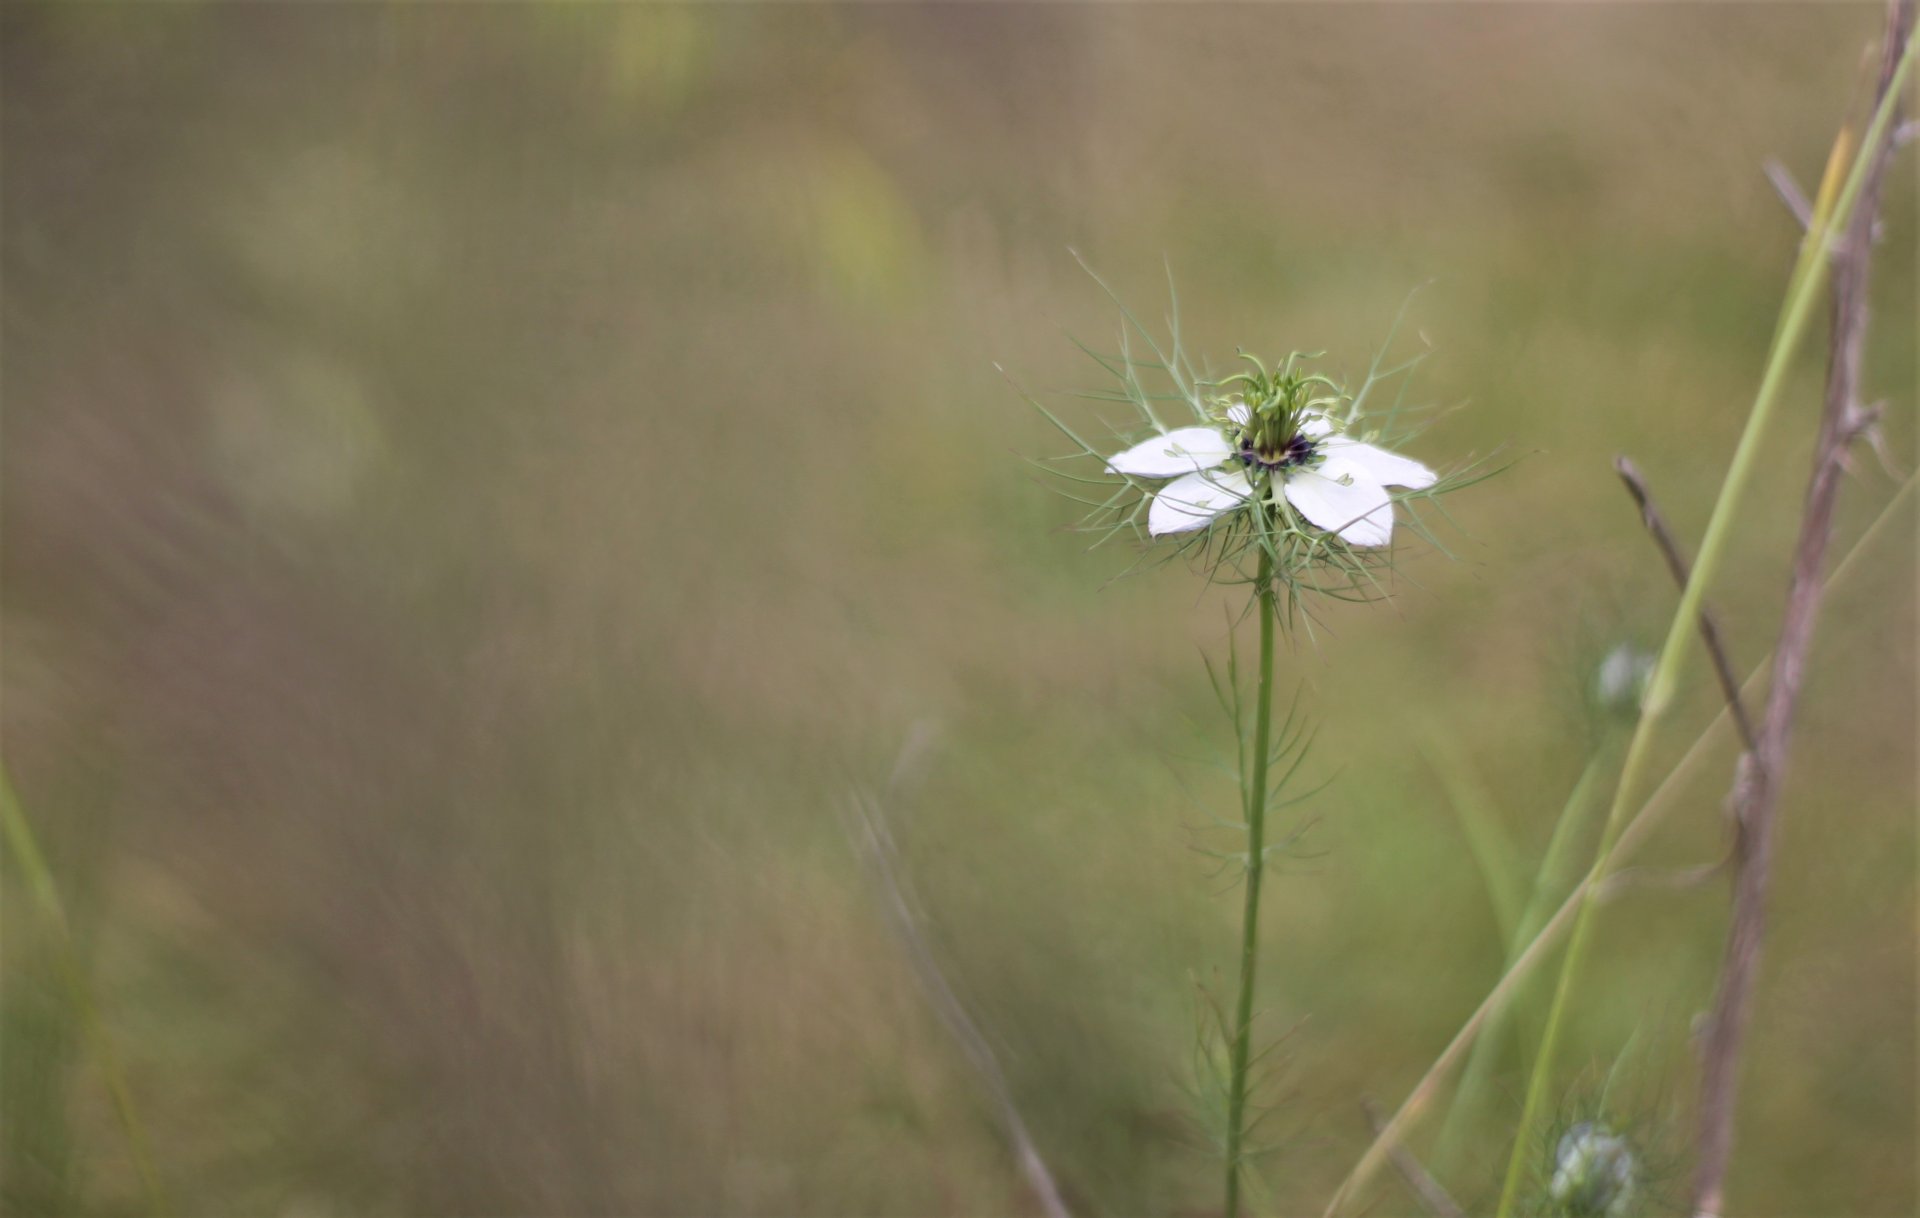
[(483, 485)]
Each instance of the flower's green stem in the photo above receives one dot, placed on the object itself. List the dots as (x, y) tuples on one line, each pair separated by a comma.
[(1255, 797), (26, 853), (1582, 931), (1550, 885)]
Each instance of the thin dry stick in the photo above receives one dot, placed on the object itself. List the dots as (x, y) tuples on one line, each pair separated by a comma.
[(1677, 567), (1789, 192), (903, 912), (1796, 199), (1756, 792), (1674, 879), (1631, 838), (1430, 1191)]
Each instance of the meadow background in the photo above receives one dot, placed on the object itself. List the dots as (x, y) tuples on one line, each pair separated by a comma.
[(483, 484)]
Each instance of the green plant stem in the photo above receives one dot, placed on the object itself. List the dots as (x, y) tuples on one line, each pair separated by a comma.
[(1577, 942), (1553, 882), (1492, 850), (1550, 884), (1809, 277), (26, 852), (1255, 797)]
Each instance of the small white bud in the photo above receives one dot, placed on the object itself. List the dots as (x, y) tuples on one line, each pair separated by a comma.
[(1621, 681), (1592, 1173)]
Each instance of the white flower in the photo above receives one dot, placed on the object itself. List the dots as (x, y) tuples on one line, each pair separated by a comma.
[(1337, 483), (1592, 1172)]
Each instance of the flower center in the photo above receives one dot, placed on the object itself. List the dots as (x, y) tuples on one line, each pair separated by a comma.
[(1258, 452)]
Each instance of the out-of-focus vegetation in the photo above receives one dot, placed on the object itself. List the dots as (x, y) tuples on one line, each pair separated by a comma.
[(481, 484)]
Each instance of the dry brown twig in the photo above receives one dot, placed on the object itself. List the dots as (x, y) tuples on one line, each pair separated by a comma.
[(867, 826), (1430, 1191), (1756, 791), (1677, 566)]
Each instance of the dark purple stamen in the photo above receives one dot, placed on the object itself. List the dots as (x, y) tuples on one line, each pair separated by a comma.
[(1295, 452)]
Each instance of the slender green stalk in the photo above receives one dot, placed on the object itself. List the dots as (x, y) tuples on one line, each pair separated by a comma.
[(1577, 942), (1255, 797), (1493, 851), (1809, 277), (1550, 884), (26, 851)]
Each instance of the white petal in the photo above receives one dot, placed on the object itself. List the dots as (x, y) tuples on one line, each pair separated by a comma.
[(1189, 503), (1181, 451), (1342, 497), (1313, 425), (1388, 469), (1239, 413)]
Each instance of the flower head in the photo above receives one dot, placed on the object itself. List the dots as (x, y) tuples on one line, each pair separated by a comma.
[(1273, 440), (1593, 1173), (1620, 682)]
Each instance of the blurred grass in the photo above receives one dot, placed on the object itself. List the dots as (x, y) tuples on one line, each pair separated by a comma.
[(481, 484)]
